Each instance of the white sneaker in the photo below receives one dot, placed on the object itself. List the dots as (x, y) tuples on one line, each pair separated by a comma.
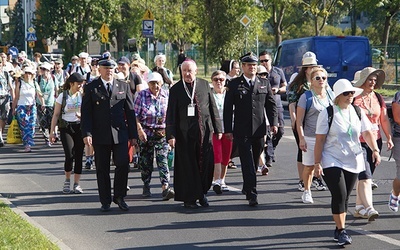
[(306, 197), (77, 189)]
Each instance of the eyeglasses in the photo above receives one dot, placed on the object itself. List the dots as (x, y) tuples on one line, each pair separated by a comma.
[(319, 78), (346, 93), (264, 60), (218, 79)]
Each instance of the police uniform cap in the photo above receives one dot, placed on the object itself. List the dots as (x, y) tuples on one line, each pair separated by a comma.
[(249, 58), (107, 63)]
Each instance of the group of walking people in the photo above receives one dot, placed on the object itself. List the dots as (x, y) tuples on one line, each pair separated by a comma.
[(337, 131)]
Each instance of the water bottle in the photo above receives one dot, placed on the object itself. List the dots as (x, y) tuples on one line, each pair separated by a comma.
[(170, 158)]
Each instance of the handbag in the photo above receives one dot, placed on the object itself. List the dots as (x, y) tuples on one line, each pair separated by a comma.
[(14, 133)]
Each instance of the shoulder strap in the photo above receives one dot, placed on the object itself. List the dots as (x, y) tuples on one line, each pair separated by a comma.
[(309, 98), (358, 111), (380, 99), (64, 101), (330, 116)]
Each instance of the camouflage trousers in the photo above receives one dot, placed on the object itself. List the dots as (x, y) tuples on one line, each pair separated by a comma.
[(159, 147)]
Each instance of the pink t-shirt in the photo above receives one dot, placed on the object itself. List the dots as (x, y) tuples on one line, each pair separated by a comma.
[(370, 105)]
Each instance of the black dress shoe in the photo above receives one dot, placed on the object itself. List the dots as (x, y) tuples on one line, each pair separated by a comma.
[(190, 204), (217, 189), (105, 208), (253, 201), (121, 203), (204, 202)]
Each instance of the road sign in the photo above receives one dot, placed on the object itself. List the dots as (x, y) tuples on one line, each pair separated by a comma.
[(104, 37), (245, 20), (31, 30), (13, 51), (104, 30), (148, 15), (148, 28), (31, 37), (31, 44)]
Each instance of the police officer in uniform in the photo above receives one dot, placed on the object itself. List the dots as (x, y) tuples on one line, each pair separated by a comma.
[(108, 122), (249, 99)]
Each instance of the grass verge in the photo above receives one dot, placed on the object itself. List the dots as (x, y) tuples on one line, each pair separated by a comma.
[(387, 92), (17, 233)]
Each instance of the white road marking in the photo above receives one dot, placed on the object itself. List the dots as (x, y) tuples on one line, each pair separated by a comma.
[(377, 236)]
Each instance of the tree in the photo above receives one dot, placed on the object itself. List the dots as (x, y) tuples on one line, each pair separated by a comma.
[(17, 25), (378, 8), (319, 11), (226, 37), (282, 14), (72, 20)]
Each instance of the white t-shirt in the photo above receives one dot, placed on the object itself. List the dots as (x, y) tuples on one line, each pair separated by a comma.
[(340, 149), (72, 107)]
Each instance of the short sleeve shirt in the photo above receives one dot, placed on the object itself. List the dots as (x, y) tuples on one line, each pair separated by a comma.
[(72, 107), (338, 147)]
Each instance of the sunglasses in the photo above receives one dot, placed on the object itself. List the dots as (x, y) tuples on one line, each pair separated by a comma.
[(319, 78), (263, 74), (218, 79), (264, 60), (346, 93)]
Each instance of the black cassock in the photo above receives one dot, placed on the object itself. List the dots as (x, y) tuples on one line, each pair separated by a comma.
[(194, 156)]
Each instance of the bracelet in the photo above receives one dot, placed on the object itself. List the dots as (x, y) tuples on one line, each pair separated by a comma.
[(317, 164), (375, 150)]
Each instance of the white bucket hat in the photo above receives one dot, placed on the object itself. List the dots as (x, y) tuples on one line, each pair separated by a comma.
[(261, 69), (344, 85), (309, 60), (29, 69), (366, 72)]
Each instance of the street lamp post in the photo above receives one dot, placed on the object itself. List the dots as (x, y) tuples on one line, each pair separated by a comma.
[(25, 26)]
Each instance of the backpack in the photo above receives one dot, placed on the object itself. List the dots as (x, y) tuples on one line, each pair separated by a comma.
[(61, 122), (330, 114), (309, 97)]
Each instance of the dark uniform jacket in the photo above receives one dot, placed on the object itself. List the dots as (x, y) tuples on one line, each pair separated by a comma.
[(108, 119), (249, 106)]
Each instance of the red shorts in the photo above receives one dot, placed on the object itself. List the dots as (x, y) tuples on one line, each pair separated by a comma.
[(222, 150)]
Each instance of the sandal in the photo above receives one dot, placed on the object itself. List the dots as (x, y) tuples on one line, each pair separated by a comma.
[(231, 165), (372, 214), (393, 203), (360, 213)]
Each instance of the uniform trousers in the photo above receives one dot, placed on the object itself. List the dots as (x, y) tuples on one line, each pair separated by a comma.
[(250, 149), (102, 158)]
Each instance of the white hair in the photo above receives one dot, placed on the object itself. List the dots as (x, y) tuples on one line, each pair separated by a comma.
[(160, 56)]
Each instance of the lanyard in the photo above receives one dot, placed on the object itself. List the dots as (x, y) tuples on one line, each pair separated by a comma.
[(187, 91), (349, 130), (320, 101)]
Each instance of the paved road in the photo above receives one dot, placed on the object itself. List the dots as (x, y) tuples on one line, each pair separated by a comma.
[(33, 183)]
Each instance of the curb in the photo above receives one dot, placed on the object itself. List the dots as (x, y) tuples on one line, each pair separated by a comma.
[(44, 231)]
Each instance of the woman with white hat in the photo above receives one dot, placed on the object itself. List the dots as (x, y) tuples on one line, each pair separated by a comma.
[(338, 153), (296, 88), (374, 106), (24, 106)]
